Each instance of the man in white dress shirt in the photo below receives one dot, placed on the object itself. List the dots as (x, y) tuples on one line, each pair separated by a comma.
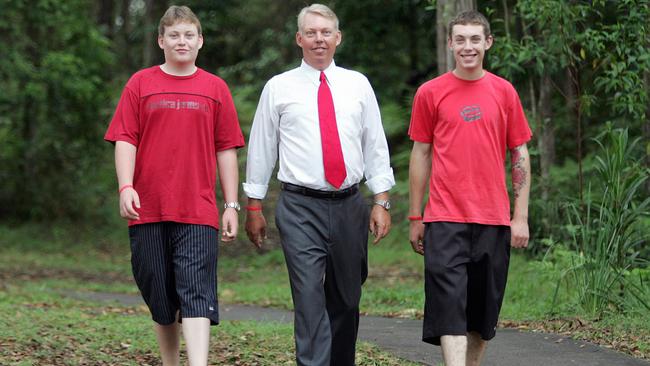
[(322, 218)]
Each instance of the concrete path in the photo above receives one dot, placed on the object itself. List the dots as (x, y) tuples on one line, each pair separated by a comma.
[(401, 337)]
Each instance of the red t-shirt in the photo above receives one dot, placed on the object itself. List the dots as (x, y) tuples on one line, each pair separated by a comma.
[(470, 124), (178, 124)]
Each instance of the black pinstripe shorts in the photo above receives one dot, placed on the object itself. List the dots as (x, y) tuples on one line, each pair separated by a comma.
[(175, 268)]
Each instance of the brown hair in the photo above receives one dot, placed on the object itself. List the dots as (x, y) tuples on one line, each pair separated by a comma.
[(472, 17), (177, 14)]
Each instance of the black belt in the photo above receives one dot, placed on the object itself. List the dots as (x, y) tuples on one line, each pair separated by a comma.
[(320, 194)]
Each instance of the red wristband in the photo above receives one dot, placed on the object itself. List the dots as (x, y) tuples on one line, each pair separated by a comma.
[(253, 208), (415, 218), (124, 187)]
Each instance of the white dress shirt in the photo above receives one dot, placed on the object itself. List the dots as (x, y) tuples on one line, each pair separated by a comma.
[(286, 123)]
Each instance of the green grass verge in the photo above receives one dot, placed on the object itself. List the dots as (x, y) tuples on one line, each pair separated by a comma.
[(85, 260), (39, 326)]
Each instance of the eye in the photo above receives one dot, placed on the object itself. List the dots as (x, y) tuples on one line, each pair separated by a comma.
[(310, 34), (327, 33)]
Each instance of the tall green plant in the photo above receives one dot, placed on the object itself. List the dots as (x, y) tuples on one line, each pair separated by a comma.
[(606, 230)]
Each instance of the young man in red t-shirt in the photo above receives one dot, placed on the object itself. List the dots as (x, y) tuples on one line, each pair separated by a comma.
[(462, 124), (174, 127)]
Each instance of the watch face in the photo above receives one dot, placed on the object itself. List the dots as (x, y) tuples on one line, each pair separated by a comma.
[(384, 204), (234, 205)]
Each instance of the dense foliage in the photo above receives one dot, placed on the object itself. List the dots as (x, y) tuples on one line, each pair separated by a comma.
[(576, 64)]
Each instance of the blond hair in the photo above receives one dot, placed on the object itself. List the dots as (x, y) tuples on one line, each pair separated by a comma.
[(318, 9), (176, 14)]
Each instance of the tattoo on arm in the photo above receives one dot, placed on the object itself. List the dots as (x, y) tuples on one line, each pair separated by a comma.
[(519, 170)]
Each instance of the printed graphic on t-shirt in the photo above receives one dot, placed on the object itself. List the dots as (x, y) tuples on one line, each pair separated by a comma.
[(471, 113), (177, 104)]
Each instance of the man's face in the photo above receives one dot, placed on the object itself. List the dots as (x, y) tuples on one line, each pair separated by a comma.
[(468, 44), (181, 43), (318, 39)]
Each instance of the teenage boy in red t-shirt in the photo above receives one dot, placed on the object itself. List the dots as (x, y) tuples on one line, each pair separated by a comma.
[(462, 124), (174, 127)]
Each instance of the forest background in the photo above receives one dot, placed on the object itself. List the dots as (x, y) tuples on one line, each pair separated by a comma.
[(582, 70)]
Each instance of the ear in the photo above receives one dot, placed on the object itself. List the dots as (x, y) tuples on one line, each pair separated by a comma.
[(449, 43), (299, 39), (160, 42), (339, 37), (488, 42), (200, 41)]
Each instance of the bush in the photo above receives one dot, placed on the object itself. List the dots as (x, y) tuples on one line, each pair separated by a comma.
[(607, 232)]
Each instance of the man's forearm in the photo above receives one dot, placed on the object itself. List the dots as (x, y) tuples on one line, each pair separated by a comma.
[(254, 202), (382, 196), (419, 172), (124, 162), (228, 174), (521, 180)]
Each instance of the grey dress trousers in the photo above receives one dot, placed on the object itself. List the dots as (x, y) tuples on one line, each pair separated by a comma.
[(325, 244)]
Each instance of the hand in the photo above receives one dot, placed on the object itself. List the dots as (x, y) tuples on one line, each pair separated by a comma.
[(519, 234), (256, 227), (379, 223), (416, 236), (128, 199), (229, 225)]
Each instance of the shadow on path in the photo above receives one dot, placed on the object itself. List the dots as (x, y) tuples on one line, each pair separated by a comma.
[(401, 337)]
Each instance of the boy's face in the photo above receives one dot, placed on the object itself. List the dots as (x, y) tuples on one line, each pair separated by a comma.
[(181, 43), (468, 44)]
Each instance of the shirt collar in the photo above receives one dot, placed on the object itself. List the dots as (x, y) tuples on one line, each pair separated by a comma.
[(314, 74)]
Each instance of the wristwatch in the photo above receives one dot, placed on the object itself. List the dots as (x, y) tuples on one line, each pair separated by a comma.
[(383, 203), (234, 205)]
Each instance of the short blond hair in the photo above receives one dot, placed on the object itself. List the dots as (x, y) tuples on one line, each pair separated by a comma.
[(318, 9), (176, 14)]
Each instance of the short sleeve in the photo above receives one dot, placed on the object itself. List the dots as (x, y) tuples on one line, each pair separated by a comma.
[(518, 129), (125, 124), (227, 134), (423, 117)]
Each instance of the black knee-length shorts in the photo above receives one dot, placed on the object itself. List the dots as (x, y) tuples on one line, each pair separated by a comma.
[(466, 268)]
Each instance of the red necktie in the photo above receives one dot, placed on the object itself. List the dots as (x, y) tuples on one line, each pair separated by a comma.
[(329, 134)]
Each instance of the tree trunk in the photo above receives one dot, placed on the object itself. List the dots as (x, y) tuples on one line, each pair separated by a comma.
[(573, 104), (106, 17), (546, 134), (151, 53), (646, 131), (125, 47), (414, 54), (446, 10)]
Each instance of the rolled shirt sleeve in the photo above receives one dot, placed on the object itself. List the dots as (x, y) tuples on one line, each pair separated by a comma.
[(376, 156), (262, 146)]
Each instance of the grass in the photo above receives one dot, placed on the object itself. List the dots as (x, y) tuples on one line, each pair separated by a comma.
[(37, 263), (39, 325)]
